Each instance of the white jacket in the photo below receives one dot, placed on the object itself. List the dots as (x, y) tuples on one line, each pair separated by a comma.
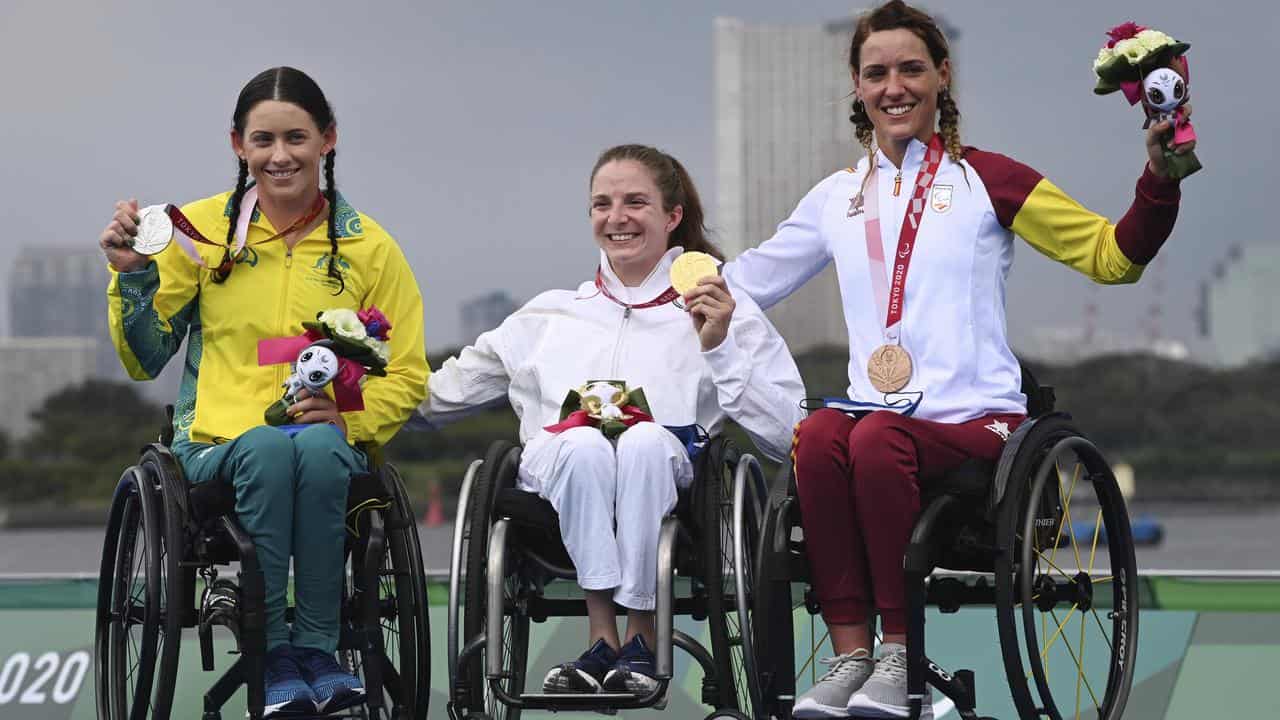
[(561, 339)]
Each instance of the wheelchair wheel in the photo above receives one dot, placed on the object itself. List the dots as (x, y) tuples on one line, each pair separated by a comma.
[(500, 465), (136, 632), (401, 611), (773, 605), (734, 490), (1066, 590)]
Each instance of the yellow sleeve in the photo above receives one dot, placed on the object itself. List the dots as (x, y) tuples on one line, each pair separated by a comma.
[(1056, 225), (150, 310), (388, 401)]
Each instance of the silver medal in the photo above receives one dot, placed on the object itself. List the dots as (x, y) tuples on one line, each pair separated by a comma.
[(155, 230)]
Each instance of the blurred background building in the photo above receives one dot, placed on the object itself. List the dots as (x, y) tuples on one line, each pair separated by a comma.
[(1240, 312), (484, 313)]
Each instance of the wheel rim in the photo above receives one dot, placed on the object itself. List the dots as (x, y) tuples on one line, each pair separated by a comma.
[(515, 642), (740, 521), (134, 613), (1074, 588)]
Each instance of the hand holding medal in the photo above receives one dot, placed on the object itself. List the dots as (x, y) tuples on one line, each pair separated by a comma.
[(696, 276), (118, 239)]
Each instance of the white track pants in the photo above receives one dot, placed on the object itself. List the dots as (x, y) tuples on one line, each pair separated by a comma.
[(611, 498)]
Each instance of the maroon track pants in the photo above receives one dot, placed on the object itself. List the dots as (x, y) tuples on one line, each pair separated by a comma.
[(859, 483)]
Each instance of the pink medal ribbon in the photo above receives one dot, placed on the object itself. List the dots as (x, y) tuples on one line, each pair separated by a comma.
[(578, 418), (889, 300)]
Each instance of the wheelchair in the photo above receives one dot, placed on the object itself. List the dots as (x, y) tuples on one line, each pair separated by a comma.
[(162, 533), (506, 549), (1002, 534)]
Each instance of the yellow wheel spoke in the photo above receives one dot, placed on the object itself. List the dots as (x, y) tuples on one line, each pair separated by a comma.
[(1066, 504), (1055, 567), (1066, 516), (1080, 675), (1099, 581), (813, 653), (1079, 666), (1093, 549), (1044, 651), (1103, 628)]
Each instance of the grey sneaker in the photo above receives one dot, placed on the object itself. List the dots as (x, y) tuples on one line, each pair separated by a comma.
[(884, 694), (829, 696)]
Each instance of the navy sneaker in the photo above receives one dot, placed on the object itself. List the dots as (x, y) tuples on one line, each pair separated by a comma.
[(335, 689), (287, 694), (634, 671), (583, 675)]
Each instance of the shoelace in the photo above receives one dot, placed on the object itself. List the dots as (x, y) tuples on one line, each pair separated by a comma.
[(843, 665), (893, 666)]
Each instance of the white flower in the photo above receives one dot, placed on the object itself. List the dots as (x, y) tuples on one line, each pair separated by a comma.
[(381, 350), (1153, 40), (610, 412), (1131, 49), (344, 324), (1105, 56)]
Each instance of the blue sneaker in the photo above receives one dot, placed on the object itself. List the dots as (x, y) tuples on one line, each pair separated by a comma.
[(634, 671), (335, 689), (287, 694), (584, 674)]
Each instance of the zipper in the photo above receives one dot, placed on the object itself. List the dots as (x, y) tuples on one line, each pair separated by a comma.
[(617, 344), (897, 183), (282, 314)]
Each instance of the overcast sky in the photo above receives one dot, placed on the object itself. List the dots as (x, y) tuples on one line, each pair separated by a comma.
[(467, 129)]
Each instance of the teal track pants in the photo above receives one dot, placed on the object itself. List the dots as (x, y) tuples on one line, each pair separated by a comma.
[(291, 497)]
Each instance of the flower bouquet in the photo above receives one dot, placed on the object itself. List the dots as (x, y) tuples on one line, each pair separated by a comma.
[(606, 404), (341, 346), (1150, 67)]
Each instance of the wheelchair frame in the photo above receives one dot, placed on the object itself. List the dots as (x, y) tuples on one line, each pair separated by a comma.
[(518, 577), (981, 529), (189, 529)]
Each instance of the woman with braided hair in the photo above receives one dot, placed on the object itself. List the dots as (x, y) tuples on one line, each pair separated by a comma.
[(283, 250), (932, 381)]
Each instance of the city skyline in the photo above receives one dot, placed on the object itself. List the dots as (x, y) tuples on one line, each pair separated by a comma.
[(468, 131)]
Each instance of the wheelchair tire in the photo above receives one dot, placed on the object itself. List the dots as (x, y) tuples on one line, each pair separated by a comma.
[(136, 632), (725, 554), (500, 464), (401, 608), (1041, 589), (773, 606)]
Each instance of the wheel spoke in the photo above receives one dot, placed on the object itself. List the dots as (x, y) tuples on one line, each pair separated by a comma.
[(1066, 504), (1057, 633), (813, 654), (1103, 628), (1093, 548), (1079, 667), (1055, 567)]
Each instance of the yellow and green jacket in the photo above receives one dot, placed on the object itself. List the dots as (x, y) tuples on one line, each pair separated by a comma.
[(272, 289)]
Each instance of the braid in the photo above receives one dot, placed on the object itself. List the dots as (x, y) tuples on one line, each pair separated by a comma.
[(331, 195), (862, 127), (242, 183), (949, 124)]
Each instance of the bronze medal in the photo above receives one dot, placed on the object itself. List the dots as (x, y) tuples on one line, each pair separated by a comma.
[(889, 368)]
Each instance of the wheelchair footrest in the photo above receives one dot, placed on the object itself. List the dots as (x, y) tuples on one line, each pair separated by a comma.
[(580, 701)]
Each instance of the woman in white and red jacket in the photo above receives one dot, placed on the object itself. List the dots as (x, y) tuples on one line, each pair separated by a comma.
[(922, 235), (721, 358)]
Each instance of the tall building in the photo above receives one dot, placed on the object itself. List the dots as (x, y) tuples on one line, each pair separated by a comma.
[(1241, 306), (61, 292), (782, 124), (31, 369)]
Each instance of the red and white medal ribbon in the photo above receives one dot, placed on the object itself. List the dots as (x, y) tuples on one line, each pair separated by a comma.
[(889, 290)]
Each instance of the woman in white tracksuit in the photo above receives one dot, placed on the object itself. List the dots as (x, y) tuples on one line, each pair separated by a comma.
[(719, 358)]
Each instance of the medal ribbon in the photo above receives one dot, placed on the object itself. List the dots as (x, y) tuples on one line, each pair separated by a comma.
[(890, 297), (667, 295), (188, 235)]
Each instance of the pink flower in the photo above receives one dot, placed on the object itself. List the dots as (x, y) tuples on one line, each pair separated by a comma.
[(375, 323), (1123, 31)]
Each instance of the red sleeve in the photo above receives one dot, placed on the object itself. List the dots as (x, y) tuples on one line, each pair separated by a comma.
[(1008, 181)]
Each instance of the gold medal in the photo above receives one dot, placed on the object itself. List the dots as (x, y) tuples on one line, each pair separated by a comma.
[(691, 267), (889, 368)]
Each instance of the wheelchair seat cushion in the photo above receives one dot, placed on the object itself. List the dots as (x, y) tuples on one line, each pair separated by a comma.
[(972, 478)]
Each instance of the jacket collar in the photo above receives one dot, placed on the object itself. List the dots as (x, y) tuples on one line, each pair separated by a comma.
[(347, 220), (657, 282), (910, 159)]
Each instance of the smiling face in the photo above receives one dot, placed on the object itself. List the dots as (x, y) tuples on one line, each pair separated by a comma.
[(284, 150), (628, 219), (898, 82)]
